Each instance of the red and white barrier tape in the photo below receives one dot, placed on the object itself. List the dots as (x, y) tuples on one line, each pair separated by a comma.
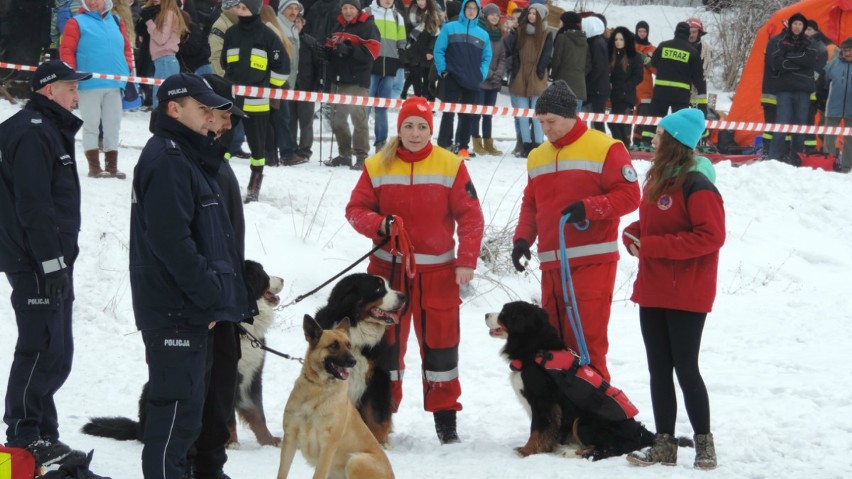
[(501, 111)]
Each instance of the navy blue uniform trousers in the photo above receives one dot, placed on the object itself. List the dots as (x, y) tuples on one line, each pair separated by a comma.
[(177, 360), (42, 359)]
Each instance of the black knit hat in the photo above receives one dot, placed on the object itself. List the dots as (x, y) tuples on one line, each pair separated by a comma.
[(643, 24), (354, 3), (253, 6), (570, 20), (813, 24), (682, 30), (558, 99)]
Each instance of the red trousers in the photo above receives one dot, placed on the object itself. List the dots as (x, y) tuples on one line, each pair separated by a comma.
[(433, 306), (593, 285)]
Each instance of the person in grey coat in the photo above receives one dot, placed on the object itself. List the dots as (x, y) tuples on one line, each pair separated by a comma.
[(571, 61), (837, 79)]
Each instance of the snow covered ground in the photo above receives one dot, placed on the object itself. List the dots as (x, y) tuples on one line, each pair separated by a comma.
[(777, 380)]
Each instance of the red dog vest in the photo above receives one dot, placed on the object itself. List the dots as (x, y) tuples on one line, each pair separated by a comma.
[(583, 385), (16, 464)]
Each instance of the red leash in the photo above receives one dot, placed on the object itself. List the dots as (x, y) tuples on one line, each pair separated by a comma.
[(401, 246)]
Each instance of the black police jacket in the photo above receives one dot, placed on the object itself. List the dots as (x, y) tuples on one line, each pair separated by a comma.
[(184, 266), (39, 188)]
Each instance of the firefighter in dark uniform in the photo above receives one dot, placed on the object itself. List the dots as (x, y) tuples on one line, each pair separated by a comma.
[(679, 68), (40, 215), (185, 270), (253, 55)]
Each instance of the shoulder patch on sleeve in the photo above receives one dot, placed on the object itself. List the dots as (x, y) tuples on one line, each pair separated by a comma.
[(470, 190), (629, 173), (217, 32)]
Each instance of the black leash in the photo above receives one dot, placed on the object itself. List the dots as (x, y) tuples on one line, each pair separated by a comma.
[(256, 343), (362, 258)]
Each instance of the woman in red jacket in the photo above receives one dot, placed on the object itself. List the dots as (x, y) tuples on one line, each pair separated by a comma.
[(677, 239), (429, 189)]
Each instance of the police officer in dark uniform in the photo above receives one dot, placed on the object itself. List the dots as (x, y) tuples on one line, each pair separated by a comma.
[(185, 271), (40, 216)]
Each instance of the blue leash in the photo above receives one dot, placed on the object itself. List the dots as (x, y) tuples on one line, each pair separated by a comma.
[(568, 285)]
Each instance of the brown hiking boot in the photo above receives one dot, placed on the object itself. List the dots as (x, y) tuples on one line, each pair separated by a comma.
[(705, 452), (478, 147), (95, 171), (112, 165), (664, 451), (253, 193), (488, 144)]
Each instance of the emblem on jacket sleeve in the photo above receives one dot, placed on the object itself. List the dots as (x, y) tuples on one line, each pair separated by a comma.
[(629, 173)]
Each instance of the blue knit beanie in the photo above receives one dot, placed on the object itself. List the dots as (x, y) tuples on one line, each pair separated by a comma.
[(686, 126)]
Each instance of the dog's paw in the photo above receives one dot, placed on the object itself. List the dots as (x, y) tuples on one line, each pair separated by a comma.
[(233, 445), (273, 441), (525, 451), (568, 450)]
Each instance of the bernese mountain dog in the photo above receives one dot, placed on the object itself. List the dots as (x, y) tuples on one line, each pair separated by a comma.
[(563, 410), (371, 305)]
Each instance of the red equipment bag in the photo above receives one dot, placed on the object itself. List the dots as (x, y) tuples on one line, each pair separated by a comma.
[(16, 463), (819, 161)]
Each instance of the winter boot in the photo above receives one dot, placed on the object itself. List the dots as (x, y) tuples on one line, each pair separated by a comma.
[(359, 163), (478, 147), (664, 451), (95, 171), (705, 452), (112, 165), (489, 147), (527, 148), (272, 158), (255, 180), (519, 148), (445, 426), (339, 160)]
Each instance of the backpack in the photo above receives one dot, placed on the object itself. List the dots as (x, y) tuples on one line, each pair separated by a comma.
[(63, 14), (16, 463)]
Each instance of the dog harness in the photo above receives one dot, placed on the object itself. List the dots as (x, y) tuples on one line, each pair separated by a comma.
[(583, 385)]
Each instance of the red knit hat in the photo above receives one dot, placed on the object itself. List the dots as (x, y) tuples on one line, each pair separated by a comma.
[(415, 106)]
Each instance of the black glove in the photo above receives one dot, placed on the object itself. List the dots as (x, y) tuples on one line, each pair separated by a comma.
[(344, 49), (703, 108), (521, 248), (577, 210), (387, 225), (57, 284)]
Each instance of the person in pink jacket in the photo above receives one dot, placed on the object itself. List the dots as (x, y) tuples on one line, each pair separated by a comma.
[(428, 188), (166, 29)]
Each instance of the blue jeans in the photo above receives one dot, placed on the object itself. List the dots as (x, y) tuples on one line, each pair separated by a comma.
[(487, 98), (398, 83), (164, 67), (380, 87), (204, 70), (792, 110), (524, 122)]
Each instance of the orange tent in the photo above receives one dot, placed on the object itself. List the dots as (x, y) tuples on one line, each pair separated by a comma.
[(835, 21)]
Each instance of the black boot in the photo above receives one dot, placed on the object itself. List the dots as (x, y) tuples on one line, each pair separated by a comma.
[(253, 193), (445, 426)]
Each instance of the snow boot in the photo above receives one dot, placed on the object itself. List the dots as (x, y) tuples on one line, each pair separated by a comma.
[(112, 165), (488, 146), (664, 451), (445, 426), (95, 171), (255, 180), (705, 452), (359, 163), (339, 160), (478, 146)]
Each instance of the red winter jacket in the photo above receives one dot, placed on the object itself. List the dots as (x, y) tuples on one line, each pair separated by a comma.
[(680, 237), (431, 196), (592, 168)]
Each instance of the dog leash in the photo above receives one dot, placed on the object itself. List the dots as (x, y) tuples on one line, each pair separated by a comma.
[(256, 343), (362, 258), (568, 285)]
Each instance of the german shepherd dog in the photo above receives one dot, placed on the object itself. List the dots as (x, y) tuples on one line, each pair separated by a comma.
[(555, 419), (320, 419), (264, 289), (371, 306)]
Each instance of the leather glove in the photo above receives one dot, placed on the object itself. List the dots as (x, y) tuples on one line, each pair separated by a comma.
[(344, 49), (577, 210), (521, 248), (386, 226), (57, 284)]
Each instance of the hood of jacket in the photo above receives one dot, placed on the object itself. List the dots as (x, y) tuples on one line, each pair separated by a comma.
[(107, 6), (593, 26), (466, 21), (629, 42)]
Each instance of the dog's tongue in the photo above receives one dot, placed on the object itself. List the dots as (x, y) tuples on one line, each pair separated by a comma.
[(390, 317), (272, 298), (495, 331), (344, 373)]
